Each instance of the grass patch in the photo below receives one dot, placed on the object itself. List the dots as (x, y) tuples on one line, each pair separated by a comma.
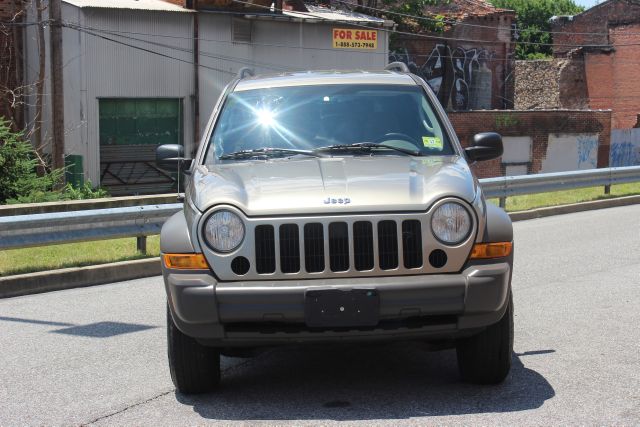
[(556, 198), (27, 260)]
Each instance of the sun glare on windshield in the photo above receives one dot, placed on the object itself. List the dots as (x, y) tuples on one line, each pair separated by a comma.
[(265, 117)]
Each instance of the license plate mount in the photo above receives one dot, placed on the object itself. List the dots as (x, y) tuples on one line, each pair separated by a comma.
[(342, 308)]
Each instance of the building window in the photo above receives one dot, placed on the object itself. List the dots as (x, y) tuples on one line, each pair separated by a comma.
[(241, 30)]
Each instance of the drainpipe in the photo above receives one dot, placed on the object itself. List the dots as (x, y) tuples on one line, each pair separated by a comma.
[(196, 81)]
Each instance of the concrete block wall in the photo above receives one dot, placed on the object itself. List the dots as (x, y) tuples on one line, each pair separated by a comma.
[(560, 140)]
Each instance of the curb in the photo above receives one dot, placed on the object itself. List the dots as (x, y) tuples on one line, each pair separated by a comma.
[(573, 208), (78, 277)]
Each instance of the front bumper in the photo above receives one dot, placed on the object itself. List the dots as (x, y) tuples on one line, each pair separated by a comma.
[(256, 313)]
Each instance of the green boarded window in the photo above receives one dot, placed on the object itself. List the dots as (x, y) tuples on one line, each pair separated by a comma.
[(127, 121)]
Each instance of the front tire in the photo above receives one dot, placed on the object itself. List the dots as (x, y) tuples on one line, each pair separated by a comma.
[(486, 358), (194, 368)]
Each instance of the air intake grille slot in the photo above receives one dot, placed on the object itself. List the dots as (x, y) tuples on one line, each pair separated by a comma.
[(387, 245), (289, 248), (412, 243), (265, 249), (363, 245), (313, 247), (339, 246), (324, 247)]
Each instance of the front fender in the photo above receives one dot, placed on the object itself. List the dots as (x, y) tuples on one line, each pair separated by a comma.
[(498, 227), (175, 237)]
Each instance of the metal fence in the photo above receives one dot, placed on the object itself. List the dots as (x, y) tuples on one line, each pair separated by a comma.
[(141, 221)]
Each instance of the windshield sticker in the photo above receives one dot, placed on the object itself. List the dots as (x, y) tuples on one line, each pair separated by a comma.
[(432, 142)]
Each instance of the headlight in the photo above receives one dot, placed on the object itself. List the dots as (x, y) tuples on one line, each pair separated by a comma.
[(451, 223), (224, 231)]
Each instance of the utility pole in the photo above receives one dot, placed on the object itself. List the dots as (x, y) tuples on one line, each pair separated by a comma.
[(57, 94)]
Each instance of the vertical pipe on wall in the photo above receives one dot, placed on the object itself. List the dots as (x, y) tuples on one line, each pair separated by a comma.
[(196, 81), (57, 94)]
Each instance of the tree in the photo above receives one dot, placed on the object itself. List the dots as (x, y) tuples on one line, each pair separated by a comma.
[(402, 10), (533, 23), (18, 162)]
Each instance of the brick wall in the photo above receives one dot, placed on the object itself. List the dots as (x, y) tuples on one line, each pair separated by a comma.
[(465, 75), (593, 24), (10, 57), (540, 125), (612, 76)]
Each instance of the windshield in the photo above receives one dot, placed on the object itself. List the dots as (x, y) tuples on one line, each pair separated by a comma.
[(327, 118)]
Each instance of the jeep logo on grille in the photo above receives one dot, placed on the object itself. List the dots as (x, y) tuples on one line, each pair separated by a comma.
[(332, 201)]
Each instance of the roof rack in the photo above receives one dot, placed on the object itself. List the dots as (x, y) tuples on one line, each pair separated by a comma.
[(244, 72), (398, 66)]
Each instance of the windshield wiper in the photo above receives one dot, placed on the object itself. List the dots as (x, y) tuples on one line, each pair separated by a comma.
[(266, 152), (367, 146)]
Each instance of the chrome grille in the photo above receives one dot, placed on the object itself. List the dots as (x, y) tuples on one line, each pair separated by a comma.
[(341, 255), (310, 247)]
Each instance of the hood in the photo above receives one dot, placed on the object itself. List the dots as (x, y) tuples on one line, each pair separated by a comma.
[(332, 185)]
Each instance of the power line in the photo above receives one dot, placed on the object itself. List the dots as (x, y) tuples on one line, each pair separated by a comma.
[(154, 52), (23, 24), (453, 22), (425, 36), (274, 67), (118, 33)]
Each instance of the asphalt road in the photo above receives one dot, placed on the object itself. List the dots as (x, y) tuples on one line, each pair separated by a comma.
[(97, 355)]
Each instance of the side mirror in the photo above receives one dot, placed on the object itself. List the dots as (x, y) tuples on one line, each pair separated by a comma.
[(486, 146), (170, 157)]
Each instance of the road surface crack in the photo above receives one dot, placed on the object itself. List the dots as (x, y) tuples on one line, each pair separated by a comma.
[(127, 408), (151, 399)]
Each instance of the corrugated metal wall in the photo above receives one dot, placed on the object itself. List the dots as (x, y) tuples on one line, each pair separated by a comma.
[(125, 70)]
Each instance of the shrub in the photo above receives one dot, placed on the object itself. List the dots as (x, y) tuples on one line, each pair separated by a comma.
[(20, 182), (18, 163)]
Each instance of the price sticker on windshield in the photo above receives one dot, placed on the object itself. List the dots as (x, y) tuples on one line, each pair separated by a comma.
[(432, 142), (345, 38)]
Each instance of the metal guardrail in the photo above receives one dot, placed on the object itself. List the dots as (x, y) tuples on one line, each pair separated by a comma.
[(79, 226), (507, 186), (141, 221)]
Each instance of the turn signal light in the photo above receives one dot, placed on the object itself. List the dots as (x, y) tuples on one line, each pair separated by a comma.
[(491, 250), (185, 261)]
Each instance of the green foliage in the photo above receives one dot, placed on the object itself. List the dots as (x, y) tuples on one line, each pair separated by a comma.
[(18, 163), (19, 180), (84, 192), (533, 21), (68, 192), (433, 23)]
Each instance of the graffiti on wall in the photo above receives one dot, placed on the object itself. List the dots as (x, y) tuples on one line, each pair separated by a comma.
[(567, 152), (587, 146), (461, 78), (625, 147)]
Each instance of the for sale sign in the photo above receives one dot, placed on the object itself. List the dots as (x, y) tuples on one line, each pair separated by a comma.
[(344, 38)]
